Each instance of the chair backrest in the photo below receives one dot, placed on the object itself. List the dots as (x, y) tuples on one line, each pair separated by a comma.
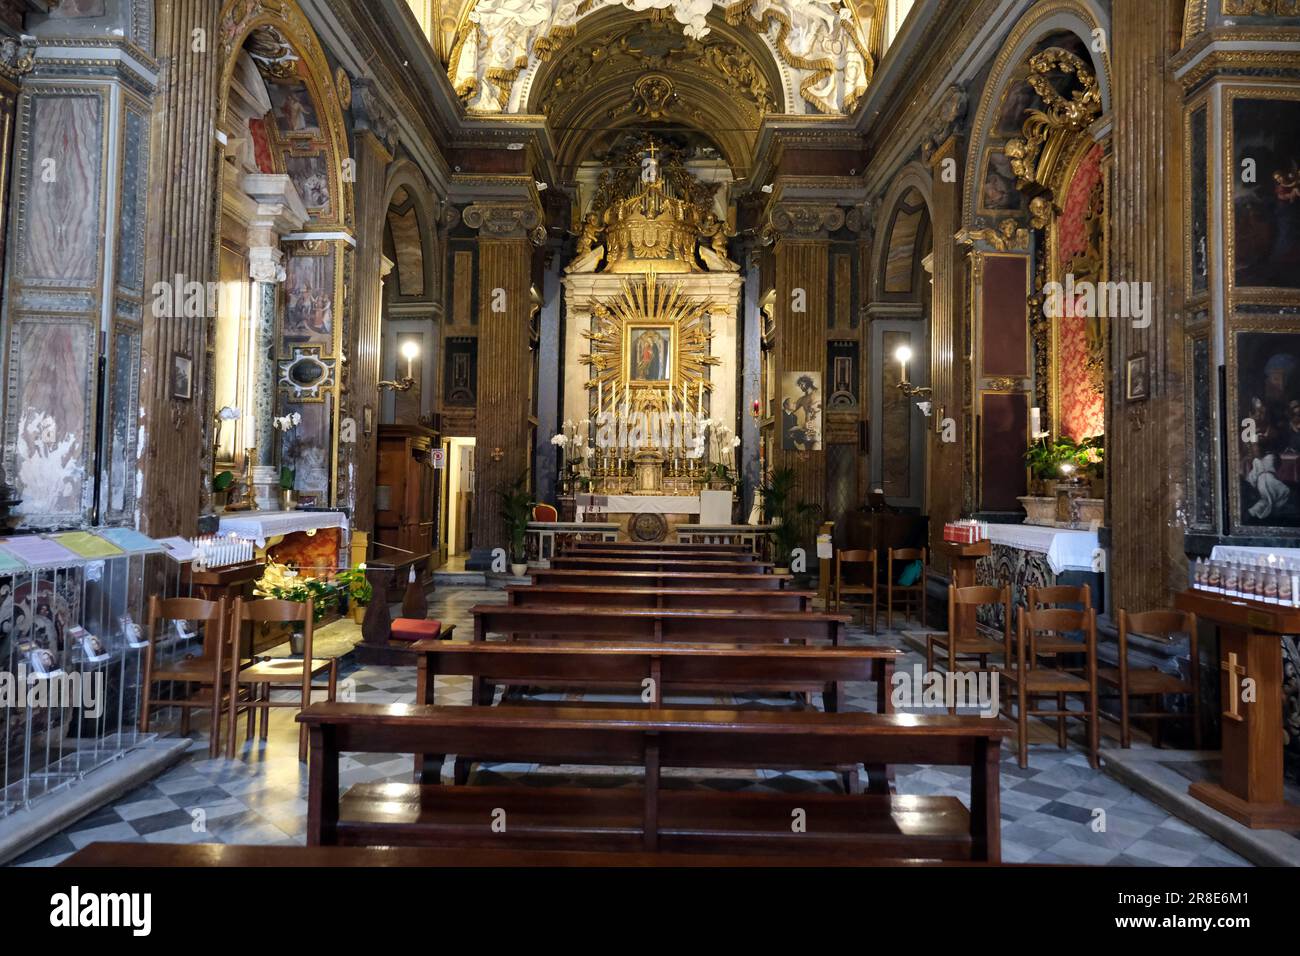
[(195, 610), (1059, 619), (978, 594), (907, 554), (855, 563), (1059, 594), (273, 611), (545, 512), (185, 609)]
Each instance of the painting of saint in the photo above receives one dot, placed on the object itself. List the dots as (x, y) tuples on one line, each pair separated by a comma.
[(1266, 193), (801, 411), (295, 113), (1268, 442), (999, 193), (649, 358), (308, 175), (309, 305)]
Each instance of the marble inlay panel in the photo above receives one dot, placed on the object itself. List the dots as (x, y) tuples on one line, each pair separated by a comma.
[(62, 235)]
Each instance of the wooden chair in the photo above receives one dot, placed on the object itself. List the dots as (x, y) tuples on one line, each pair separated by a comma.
[(971, 641), (260, 676), (1034, 682), (868, 588), (204, 673), (1152, 684), (1055, 645), (910, 596)]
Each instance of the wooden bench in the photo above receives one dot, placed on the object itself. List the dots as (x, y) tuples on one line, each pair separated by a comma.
[(670, 563), (674, 668), (544, 595), (659, 547), (648, 818), (641, 555), (659, 579), (659, 624), (119, 855)]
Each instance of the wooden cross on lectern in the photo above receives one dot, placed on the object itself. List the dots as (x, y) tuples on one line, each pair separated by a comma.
[(1235, 672)]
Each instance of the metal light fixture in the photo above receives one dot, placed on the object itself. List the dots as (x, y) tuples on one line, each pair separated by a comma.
[(410, 351), (904, 355)]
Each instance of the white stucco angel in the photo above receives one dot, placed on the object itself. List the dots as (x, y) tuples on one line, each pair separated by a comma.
[(690, 14), (491, 55)]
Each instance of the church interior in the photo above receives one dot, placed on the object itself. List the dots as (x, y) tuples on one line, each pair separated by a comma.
[(635, 433)]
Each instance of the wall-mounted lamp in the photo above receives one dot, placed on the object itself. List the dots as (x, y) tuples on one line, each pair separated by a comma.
[(498, 454), (904, 355), (410, 351)]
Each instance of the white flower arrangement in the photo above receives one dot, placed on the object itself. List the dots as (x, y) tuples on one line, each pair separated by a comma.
[(559, 440), (229, 413), (287, 422)]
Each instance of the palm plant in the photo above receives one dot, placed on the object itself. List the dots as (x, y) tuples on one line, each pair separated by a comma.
[(793, 522), (516, 511)]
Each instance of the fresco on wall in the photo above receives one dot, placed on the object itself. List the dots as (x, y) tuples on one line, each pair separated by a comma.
[(1268, 442), (51, 423), (295, 113), (1266, 213), (900, 261), (311, 180)]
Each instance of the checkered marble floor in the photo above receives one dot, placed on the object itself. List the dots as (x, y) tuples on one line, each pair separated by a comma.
[(1048, 810)]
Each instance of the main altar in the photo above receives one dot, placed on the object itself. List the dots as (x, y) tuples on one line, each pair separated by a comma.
[(650, 350)]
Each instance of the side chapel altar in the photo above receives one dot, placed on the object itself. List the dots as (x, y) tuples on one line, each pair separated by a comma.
[(650, 360)]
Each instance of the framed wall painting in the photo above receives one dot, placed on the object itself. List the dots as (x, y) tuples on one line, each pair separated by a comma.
[(1263, 436), (182, 376), (801, 411), (1263, 170), (1137, 378)]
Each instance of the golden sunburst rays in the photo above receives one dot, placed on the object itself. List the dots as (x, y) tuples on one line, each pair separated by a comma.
[(647, 304)]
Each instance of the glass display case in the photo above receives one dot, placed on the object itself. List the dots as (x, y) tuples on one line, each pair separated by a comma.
[(71, 653)]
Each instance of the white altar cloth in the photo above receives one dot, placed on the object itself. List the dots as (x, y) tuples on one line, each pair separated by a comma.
[(635, 505), (1066, 550), (261, 525)]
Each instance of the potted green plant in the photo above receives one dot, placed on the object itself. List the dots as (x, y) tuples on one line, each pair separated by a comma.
[(517, 510), (719, 477), (221, 485), (288, 498), (792, 522), (358, 588)]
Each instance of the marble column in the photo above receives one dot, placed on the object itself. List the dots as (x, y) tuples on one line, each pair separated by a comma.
[(802, 256), (507, 231), (1145, 450), (946, 378)]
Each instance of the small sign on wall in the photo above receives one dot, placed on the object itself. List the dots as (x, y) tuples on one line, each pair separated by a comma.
[(438, 458)]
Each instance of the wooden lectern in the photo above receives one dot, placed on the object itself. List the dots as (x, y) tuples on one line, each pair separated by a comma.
[(1250, 647)]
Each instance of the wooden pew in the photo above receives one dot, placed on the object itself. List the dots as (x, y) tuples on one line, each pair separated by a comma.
[(659, 624), (155, 855), (648, 818), (674, 668), (659, 579), (638, 554), (700, 598), (661, 547), (669, 563)]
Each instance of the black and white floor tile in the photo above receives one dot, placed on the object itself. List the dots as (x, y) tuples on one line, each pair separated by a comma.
[(1050, 811)]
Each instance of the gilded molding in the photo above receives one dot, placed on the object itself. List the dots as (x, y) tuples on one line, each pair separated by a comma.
[(1009, 236)]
